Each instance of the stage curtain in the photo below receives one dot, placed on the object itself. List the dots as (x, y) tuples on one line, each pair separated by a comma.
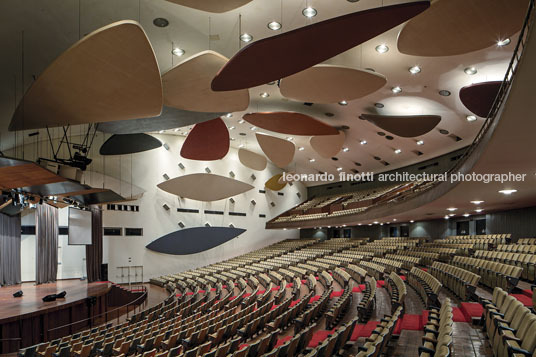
[(10, 250), (46, 231), (94, 251)]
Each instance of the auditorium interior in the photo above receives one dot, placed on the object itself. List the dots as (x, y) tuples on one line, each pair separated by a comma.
[(241, 178)]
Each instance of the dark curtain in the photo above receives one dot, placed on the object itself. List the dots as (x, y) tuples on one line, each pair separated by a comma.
[(46, 232), (94, 251), (10, 250)]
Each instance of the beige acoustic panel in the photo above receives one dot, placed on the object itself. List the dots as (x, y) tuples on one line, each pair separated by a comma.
[(279, 151), (217, 6), (204, 187), (274, 184), (331, 84), (407, 126), (187, 86), (328, 146), (455, 27), (290, 123), (252, 160), (110, 74)]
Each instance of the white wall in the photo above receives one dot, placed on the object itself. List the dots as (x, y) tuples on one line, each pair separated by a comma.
[(147, 169)]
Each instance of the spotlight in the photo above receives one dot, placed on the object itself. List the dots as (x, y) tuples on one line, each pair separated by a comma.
[(166, 146), (382, 48), (178, 51), (504, 42), (246, 37), (231, 200), (272, 204), (166, 177), (396, 90), (253, 202), (470, 71), (309, 12), (165, 206), (274, 25), (181, 165), (207, 170), (414, 70), (232, 174), (207, 224), (181, 224), (253, 177)]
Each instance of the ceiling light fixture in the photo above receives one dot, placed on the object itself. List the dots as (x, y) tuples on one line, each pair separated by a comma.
[(290, 138), (396, 90), (178, 51), (414, 70), (309, 12), (231, 128), (471, 118), (274, 25), (363, 142), (470, 71), (466, 214), (478, 210), (412, 221), (477, 202), (339, 168), (444, 93), (229, 115), (447, 217), (264, 95), (241, 145), (398, 151), (382, 48), (345, 149), (241, 121), (379, 105), (246, 37), (508, 191), (420, 142), (160, 22), (343, 102), (253, 128), (451, 209), (301, 148), (504, 42), (312, 160)]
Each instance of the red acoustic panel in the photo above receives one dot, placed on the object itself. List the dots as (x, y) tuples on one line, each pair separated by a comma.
[(282, 55), (290, 123), (479, 97), (207, 141)]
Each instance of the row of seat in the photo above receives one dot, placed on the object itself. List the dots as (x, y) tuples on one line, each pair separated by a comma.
[(437, 339), (426, 285), (293, 347), (376, 344), (334, 344), (373, 269), (461, 282), (426, 258), (492, 273), (339, 308), (528, 241), (397, 290), (368, 300), (517, 248), (389, 264), (525, 261), (408, 262)]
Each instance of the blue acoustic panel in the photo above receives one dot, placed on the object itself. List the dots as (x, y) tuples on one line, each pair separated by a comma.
[(122, 144), (193, 240)]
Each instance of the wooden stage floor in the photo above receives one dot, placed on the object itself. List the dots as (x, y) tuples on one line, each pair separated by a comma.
[(32, 301)]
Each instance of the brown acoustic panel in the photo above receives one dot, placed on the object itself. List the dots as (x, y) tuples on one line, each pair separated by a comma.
[(170, 118), (455, 27), (110, 74), (331, 84), (252, 160), (290, 123), (204, 187), (279, 151), (328, 146), (407, 126), (274, 184), (479, 97), (217, 6), (187, 86), (207, 141), (18, 173), (282, 55)]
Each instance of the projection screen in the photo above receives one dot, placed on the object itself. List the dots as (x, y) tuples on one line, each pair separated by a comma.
[(79, 227)]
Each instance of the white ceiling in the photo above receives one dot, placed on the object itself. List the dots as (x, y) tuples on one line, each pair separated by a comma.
[(51, 26)]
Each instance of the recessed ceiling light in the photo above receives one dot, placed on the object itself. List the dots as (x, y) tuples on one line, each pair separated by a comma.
[(274, 25), (232, 139), (394, 219), (396, 90), (161, 131), (301, 148), (414, 70), (346, 149), (241, 145), (504, 42), (447, 217), (451, 215), (312, 160), (412, 221), (420, 142), (375, 222), (451, 209), (175, 130), (363, 142), (466, 214), (231, 128), (471, 118), (379, 105), (470, 71), (264, 95), (478, 210), (444, 93), (290, 138), (309, 12), (398, 151), (382, 48), (508, 192), (160, 22), (253, 128), (339, 168), (241, 121), (343, 102), (477, 202), (246, 37), (178, 51), (229, 115)]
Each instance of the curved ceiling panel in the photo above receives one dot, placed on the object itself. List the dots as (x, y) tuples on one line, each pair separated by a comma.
[(193, 240), (207, 141), (328, 146), (282, 55), (407, 126), (252, 160), (129, 144), (279, 151), (455, 27), (110, 74), (217, 6), (479, 97), (170, 118), (204, 187), (274, 184), (290, 123), (187, 86), (331, 84)]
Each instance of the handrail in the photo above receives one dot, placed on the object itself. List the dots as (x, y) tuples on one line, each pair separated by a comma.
[(142, 297)]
